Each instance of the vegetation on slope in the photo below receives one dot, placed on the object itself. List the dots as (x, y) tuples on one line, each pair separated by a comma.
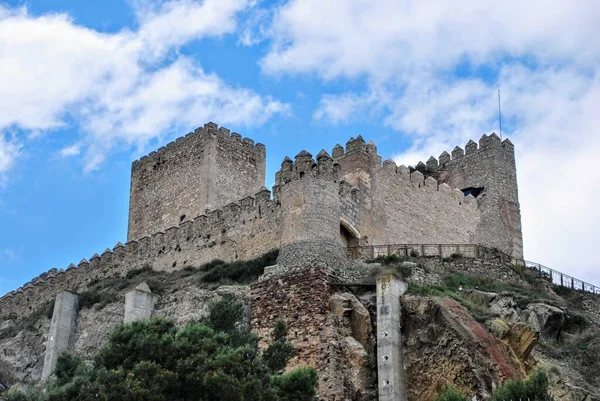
[(534, 388), (101, 292), (214, 359)]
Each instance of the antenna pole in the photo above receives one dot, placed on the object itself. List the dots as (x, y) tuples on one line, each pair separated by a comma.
[(499, 114)]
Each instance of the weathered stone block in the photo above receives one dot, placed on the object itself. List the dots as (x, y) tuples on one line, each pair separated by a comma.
[(62, 329), (139, 303)]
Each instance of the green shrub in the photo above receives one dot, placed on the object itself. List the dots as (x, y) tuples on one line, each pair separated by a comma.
[(456, 256), (449, 393), (298, 385), (414, 254), (534, 388), (136, 272), (95, 297), (563, 291), (242, 272), (225, 313), (155, 361), (575, 322), (280, 351), (45, 310), (156, 285)]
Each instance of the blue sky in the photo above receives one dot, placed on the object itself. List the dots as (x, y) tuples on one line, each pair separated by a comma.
[(87, 87)]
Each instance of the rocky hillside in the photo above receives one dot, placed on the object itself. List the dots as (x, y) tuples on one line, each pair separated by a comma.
[(473, 325), (469, 324)]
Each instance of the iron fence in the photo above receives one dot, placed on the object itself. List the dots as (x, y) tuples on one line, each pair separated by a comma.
[(471, 251)]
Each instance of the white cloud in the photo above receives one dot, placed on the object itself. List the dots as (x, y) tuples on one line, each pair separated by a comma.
[(10, 149), (381, 38), (121, 88), (432, 69), (73, 150)]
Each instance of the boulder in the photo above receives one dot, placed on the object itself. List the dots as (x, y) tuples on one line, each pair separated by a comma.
[(564, 391), (498, 327), (346, 305), (506, 307), (6, 326), (545, 319), (521, 339), (358, 365)]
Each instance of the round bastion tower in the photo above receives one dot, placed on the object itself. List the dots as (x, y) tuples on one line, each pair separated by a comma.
[(311, 209)]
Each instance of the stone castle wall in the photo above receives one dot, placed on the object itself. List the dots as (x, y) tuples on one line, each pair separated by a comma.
[(318, 207), (491, 166), (310, 196), (206, 169), (242, 230), (400, 207), (302, 299)]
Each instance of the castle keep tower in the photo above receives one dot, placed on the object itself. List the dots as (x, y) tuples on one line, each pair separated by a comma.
[(206, 169)]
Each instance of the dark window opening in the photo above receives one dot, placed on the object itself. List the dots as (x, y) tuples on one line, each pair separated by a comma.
[(181, 218), (475, 191)]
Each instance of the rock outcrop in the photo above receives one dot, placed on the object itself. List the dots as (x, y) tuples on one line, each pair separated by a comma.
[(446, 346)]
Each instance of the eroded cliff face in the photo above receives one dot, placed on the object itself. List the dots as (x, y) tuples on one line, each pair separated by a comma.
[(445, 345)]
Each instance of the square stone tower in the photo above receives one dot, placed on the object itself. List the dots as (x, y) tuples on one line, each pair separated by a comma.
[(206, 169)]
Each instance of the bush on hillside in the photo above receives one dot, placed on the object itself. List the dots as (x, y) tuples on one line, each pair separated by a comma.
[(534, 388), (214, 359), (241, 272), (449, 393)]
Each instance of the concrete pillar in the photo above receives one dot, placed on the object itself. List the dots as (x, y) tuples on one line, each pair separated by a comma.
[(62, 329), (139, 303), (390, 359)]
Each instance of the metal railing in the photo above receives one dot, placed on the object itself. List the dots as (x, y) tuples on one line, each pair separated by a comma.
[(471, 251)]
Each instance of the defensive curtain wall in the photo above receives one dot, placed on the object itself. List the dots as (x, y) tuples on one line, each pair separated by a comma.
[(318, 207), (397, 205)]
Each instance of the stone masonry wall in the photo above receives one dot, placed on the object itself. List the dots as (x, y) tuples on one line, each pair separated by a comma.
[(399, 207), (242, 230), (206, 169), (302, 299), (491, 166), (311, 203)]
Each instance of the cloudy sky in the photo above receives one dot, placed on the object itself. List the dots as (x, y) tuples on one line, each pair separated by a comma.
[(88, 86)]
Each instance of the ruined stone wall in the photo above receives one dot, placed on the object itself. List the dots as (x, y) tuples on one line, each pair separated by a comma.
[(302, 299), (399, 207), (206, 169), (242, 230)]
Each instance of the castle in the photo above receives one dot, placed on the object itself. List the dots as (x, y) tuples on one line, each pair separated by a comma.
[(202, 197)]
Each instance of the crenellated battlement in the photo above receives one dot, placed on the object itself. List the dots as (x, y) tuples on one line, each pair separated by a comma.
[(305, 166), (356, 147), (486, 143), (417, 180), (202, 197), (199, 240), (204, 170), (200, 133)]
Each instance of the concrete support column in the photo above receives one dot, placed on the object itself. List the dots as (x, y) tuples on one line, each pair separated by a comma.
[(62, 329), (390, 359), (139, 303)]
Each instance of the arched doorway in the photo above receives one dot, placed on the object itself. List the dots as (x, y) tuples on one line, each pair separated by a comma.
[(348, 234)]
